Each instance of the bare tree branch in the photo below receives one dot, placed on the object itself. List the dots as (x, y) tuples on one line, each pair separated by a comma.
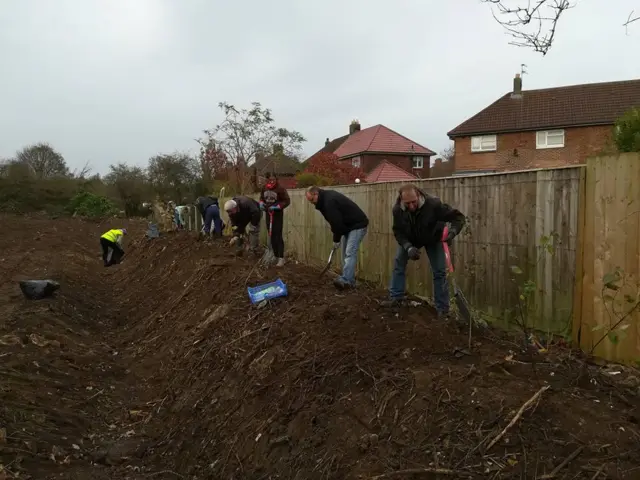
[(630, 20), (83, 172), (532, 25)]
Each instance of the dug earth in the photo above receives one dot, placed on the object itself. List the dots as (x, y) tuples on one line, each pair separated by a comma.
[(161, 368)]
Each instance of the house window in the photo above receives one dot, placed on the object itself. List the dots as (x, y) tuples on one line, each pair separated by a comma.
[(484, 143), (550, 139), (355, 162), (418, 162)]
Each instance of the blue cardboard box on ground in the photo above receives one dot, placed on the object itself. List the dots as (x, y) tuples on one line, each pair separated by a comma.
[(267, 291)]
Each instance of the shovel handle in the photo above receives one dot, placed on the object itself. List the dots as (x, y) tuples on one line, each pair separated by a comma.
[(445, 246)]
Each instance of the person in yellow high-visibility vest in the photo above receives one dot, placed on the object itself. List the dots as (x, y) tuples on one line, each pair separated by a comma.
[(112, 240)]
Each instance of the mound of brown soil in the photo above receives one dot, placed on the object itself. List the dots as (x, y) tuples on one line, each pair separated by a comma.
[(324, 384), (161, 368)]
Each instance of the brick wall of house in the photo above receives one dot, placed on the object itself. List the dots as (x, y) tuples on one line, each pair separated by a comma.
[(442, 169), (370, 161), (517, 151)]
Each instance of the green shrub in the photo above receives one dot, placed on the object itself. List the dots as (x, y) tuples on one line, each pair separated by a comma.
[(626, 134), (90, 205), (26, 194), (310, 179)]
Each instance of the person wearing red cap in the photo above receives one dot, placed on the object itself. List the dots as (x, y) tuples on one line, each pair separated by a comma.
[(274, 198)]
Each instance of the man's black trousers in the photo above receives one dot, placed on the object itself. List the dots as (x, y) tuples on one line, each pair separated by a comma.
[(117, 254)]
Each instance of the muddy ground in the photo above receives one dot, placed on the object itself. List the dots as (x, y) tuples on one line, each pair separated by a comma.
[(160, 368)]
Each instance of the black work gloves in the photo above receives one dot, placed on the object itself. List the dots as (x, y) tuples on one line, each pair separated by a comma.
[(414, 253)]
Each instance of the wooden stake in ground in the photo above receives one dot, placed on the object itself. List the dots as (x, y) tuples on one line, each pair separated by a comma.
[(518, 414)]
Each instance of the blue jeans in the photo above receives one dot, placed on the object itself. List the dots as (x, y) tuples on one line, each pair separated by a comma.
[(212, 215), (350, 246), (438, 268)]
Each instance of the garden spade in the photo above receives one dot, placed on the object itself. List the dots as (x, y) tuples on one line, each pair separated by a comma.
[(461, 301), (326, 267), (268, 255)]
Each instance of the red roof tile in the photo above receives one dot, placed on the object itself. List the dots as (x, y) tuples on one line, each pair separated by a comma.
[(379, 139), (561, 107), (388, 172)]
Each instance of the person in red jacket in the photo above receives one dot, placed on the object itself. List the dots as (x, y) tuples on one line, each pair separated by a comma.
[(274, 198)]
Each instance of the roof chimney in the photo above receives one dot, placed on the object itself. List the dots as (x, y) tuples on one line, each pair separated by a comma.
[(354, 127), (517, 87)]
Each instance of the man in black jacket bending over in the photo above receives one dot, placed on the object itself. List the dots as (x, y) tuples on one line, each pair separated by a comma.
[(244, 211), (418, 221), (349, 226)]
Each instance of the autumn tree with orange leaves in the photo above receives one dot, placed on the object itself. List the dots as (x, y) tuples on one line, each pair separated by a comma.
[(339, 172)]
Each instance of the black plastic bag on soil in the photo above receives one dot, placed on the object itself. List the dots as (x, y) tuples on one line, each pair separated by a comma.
[(38, 289)]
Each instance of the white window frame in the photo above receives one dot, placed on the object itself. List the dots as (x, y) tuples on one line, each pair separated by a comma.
[(417, 162), (542, 138), (484, 143), (356, 161)]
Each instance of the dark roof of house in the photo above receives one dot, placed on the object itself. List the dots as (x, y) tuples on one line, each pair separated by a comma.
[(560, 107), (278, 164), (379, 139)]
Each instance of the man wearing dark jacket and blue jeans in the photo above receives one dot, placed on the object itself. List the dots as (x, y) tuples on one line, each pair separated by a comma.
[(418, 221), (210, 211), (349, 226)]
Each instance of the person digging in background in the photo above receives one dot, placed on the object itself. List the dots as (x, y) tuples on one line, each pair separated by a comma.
[(244, 211), (209, 208), (349, 226), (112, 240), (274, 198), (418, 221), (179, 216)]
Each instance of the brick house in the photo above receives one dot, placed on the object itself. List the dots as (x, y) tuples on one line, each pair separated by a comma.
[(550, 127), (367, 148)]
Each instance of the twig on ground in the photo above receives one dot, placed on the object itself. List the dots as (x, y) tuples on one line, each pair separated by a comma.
[(87, 400), (598, 472), (563, 464), (417, 471), (517, 416), (163, 472), (258, 262), (257, 330)]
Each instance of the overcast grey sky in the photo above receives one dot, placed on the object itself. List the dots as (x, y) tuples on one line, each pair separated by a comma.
[(106, 81)]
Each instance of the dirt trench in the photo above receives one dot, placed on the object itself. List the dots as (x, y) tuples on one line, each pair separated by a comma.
[(160, 368)]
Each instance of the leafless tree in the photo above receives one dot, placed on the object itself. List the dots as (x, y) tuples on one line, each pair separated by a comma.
[(244, 134), (83, 172), (533, 24), (449, 153), (43, 160)]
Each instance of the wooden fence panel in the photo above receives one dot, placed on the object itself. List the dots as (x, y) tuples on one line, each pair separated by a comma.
[(611, 239), (507, 215)]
